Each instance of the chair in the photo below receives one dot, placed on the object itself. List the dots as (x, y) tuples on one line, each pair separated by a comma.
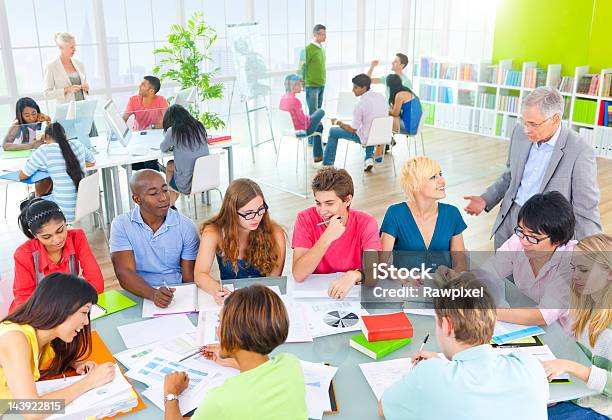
[(206, 177), (381, 132), (345, 105), (88, 201), (419, 132)]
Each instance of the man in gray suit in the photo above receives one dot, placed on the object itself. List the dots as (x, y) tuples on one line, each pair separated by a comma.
[(544, 156)]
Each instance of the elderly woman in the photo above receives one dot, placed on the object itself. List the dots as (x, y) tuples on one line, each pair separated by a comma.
[(302, 122), (422, 223)]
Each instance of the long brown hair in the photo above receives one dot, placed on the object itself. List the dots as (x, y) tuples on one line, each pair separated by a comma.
[(58, 296), (262, 249)]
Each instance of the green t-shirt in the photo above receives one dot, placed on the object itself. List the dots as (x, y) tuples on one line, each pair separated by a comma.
[(313, 71), (405, 81), (273, 390)]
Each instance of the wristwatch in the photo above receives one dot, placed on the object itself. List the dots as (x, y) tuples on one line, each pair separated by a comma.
[(170, 397), (361, 279)]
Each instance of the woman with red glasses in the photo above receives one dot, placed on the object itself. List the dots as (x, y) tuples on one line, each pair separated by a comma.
[(242, 237)]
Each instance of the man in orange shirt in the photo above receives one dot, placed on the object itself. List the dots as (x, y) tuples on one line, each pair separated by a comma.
[(147, 107)]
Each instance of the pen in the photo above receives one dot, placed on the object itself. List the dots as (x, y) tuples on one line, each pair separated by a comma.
[(166, 286), (324, 222), (421, 348), (190, 355)]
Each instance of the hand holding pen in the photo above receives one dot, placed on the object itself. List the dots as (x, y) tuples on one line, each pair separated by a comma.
[(423, 355), (163, 296), (335, 228)]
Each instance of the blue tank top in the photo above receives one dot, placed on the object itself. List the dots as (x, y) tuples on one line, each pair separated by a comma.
[(411, 115), (245, 270)]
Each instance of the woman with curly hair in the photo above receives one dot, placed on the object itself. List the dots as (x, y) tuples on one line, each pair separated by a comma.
[(242, 237)]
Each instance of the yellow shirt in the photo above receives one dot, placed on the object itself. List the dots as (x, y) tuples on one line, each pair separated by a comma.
[(36, 359)]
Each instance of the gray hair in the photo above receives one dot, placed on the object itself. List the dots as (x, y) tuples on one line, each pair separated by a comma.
[(62, 38), (548, 100), (318, 27)]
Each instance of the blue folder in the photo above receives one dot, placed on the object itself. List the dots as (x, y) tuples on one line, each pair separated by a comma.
[(36, 176)]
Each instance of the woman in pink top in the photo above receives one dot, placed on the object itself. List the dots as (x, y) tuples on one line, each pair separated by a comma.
[(147, 107), (538, 258), (331, 237), (302, 122)]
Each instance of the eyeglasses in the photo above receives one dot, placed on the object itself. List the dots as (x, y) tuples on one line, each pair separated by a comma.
[(531, 239), (522, 122), (250, 215)]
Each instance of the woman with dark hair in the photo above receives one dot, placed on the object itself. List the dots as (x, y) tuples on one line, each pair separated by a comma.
[(52, 248), (22, 132), (253, 322), (187, 136), (405, 106), (242, 237), (65, 160), (48, 335)]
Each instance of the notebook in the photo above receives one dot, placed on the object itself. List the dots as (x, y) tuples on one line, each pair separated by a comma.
[(188, 298), (36, 176), (110, 302)]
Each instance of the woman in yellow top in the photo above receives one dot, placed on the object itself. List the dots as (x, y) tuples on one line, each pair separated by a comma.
[(48, 335)]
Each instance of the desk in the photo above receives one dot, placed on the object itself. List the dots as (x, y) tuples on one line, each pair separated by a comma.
[(355, 398), (140, 149)]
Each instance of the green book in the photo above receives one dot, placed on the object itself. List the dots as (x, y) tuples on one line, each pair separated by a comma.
[(16, 154), (377, 349), (113, 301)]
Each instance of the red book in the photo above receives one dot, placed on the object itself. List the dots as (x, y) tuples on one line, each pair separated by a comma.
[(386, 327), (218, 138)]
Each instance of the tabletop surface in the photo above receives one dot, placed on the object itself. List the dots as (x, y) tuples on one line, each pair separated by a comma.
[(354, 396)]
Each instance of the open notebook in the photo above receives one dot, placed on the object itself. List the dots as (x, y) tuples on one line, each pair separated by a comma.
[(188, 298)]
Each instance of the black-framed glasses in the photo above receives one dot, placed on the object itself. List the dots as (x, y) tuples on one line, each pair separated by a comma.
[(531, 239), (525, 124), (250, 215)]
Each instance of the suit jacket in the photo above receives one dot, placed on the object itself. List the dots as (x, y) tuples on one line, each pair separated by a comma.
[(56, 79), (572, 171)]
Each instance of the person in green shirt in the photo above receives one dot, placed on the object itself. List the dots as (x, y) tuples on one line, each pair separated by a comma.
[(253, 322), (312, 69)]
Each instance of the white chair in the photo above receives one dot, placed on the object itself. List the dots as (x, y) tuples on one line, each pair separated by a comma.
[(345, 105), (88, 201), (419, 132), (381, 133), (206, 177)]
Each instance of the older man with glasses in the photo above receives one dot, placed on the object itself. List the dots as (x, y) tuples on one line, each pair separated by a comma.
[(544, 156)]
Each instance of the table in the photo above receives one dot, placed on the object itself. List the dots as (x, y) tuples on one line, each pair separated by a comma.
[(355, 398), (108, 159)]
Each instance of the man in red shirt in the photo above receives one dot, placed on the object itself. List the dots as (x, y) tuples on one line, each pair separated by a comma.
[(147, 107)]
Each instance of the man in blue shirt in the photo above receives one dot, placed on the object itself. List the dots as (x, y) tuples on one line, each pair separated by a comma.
[(153, 245), (477, 382)]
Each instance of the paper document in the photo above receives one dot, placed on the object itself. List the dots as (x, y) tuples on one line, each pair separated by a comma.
[(299, 331), (96, 312), (180, 346), (155, 329), (416, 311), (316, 286), (317, 378), (542, 353), (208, 322), (381, 375), (207, 303), (333, 317), (185, 301)]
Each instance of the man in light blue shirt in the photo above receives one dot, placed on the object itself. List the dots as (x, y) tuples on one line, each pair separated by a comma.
[(153, 245), (477, 383)]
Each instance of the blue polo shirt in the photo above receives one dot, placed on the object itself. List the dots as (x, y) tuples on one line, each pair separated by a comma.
[(158, 255), (477, 384)]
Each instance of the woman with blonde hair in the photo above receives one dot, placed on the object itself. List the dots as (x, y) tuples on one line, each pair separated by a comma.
[(242, 237), (591, 314), (422, 223), (65, 79)]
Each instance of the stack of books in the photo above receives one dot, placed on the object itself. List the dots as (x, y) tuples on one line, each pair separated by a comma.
[(584, 111), (382, 334), (588, 84), (508, 103), (535, 77), (486, 100)]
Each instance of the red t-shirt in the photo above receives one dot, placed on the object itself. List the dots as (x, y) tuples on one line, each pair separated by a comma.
[(145, 115), (25, 275), (344, 253)]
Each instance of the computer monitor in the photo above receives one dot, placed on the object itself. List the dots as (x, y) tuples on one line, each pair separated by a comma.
[(185, 97), (77, 118), (116, 123)]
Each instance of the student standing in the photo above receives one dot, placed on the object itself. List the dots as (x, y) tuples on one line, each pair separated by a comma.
[(253, 322), (52, 248), (21, 135), (242, 237), (312, 68), (398, 65), (477, 383), (47, 335), (331, 237)]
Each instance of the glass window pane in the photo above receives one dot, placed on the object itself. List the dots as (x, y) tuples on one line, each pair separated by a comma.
[(28, 71), (349, 15), (397, 9), (382, 14), (142, 59), (295, 47), (164, 15), (20, 14), (349, 47), (278, 15), (261, 14), (114, 20), (380, 44), (81, 22), (119, 64), (51, 18), (278, 60), (235, 11), (320, 12), (333, 47), (3, 86), (140, 20), (368, 53), (333, 15), (191, 6), (395, 43), (370, 14), (214, 15), (296, 16)]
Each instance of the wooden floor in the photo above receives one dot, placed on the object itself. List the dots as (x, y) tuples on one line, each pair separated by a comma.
[(470, 163)]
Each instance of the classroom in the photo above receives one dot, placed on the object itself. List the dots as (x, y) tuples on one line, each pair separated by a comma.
[(306, 209)]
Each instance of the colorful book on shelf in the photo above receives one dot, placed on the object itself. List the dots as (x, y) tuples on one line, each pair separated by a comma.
[(386, 327), (377, 349)]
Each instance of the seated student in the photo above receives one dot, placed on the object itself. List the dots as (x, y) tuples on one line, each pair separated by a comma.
[(187, 137), (371, 105), (148, 110), (52, 248), (537, 256), (302, 122), (405, 106), (65, 161), (422, 223), (153, 245), (46, 336), (21, 135), (591, 316), (331, 237), (477, 383), (242, 237), (253, 322)]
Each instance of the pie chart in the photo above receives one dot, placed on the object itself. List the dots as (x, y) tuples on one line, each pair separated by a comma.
[(341, 319)]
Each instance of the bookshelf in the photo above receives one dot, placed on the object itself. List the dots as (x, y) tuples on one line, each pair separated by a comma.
[(485, 98)]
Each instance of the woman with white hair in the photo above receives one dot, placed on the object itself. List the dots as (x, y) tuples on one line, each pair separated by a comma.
[(422, 223), (65, 78)]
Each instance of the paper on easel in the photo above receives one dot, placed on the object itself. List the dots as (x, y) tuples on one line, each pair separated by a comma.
[(154, 329), (381, 375), (316, 286)]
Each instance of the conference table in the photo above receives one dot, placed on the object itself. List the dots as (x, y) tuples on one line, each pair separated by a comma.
[(353, 394), (109, 156)]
